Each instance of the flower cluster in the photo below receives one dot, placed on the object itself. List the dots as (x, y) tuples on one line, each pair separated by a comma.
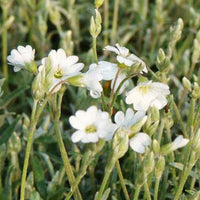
[(92, 125)]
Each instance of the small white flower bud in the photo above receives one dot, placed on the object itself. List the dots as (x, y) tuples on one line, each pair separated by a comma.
[(187, 84)]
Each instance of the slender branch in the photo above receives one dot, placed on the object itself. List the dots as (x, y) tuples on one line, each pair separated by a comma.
[(115, 20), (119, 171), (137, 193), (94, 47), (34, 119), (147, 192)]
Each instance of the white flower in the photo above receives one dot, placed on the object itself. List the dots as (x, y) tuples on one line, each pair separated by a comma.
[(124, 57), (63, 67), (91, 125), (179, 142), (21, 57), (148, 94), (108, 71), (127, 120), (137, 141), (92, 80)]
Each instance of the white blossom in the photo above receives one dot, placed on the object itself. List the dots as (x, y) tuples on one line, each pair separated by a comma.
[(139, 142), (21, 57), (91, 125), (109, 71), (148, 94), (91, 79), (124, 57), (63, 67), (179, 142), (126, 121)]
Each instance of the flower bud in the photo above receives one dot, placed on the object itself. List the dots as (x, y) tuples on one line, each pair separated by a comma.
[(120, 144), (159, 167), (98, 3), (76, 81), (38, 91), (196, 51), (161, 56), (31, 67), (149, 163), (196, 91), (14, 143), (92, 27), (187, 84), (163, 63), (196, 142), (156, 146), (95, 24)]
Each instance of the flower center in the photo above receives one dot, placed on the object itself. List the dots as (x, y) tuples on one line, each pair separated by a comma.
[(144, 88), (58, 73), (90, 129)]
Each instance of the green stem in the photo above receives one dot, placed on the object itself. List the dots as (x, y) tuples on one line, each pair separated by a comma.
[(94, 47), (137, 193), (65, 159), (181, 185), (85, 163), (147, 192), (106, 21), (119, 171), (179, 119), (34, 119), (64, 155), (4, 44), (103, 184), (115, 20), (156, 189)]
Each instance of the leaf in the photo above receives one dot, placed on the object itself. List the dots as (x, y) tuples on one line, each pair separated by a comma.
[(8, 132), (180, 167), (12, 96), (38, 175), (106, 194), (35, 196)]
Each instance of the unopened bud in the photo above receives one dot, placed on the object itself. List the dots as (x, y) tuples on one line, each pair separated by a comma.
[(159, 167), (92, 27), (156, 146), (149, 163), (14, 143), (196, 91), (98, 3), (76, 81), (120, 144), (161, 56), (196, 142), (187, 84), (31, 67)]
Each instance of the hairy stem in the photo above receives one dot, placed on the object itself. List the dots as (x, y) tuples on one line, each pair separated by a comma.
[(119, 171)]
